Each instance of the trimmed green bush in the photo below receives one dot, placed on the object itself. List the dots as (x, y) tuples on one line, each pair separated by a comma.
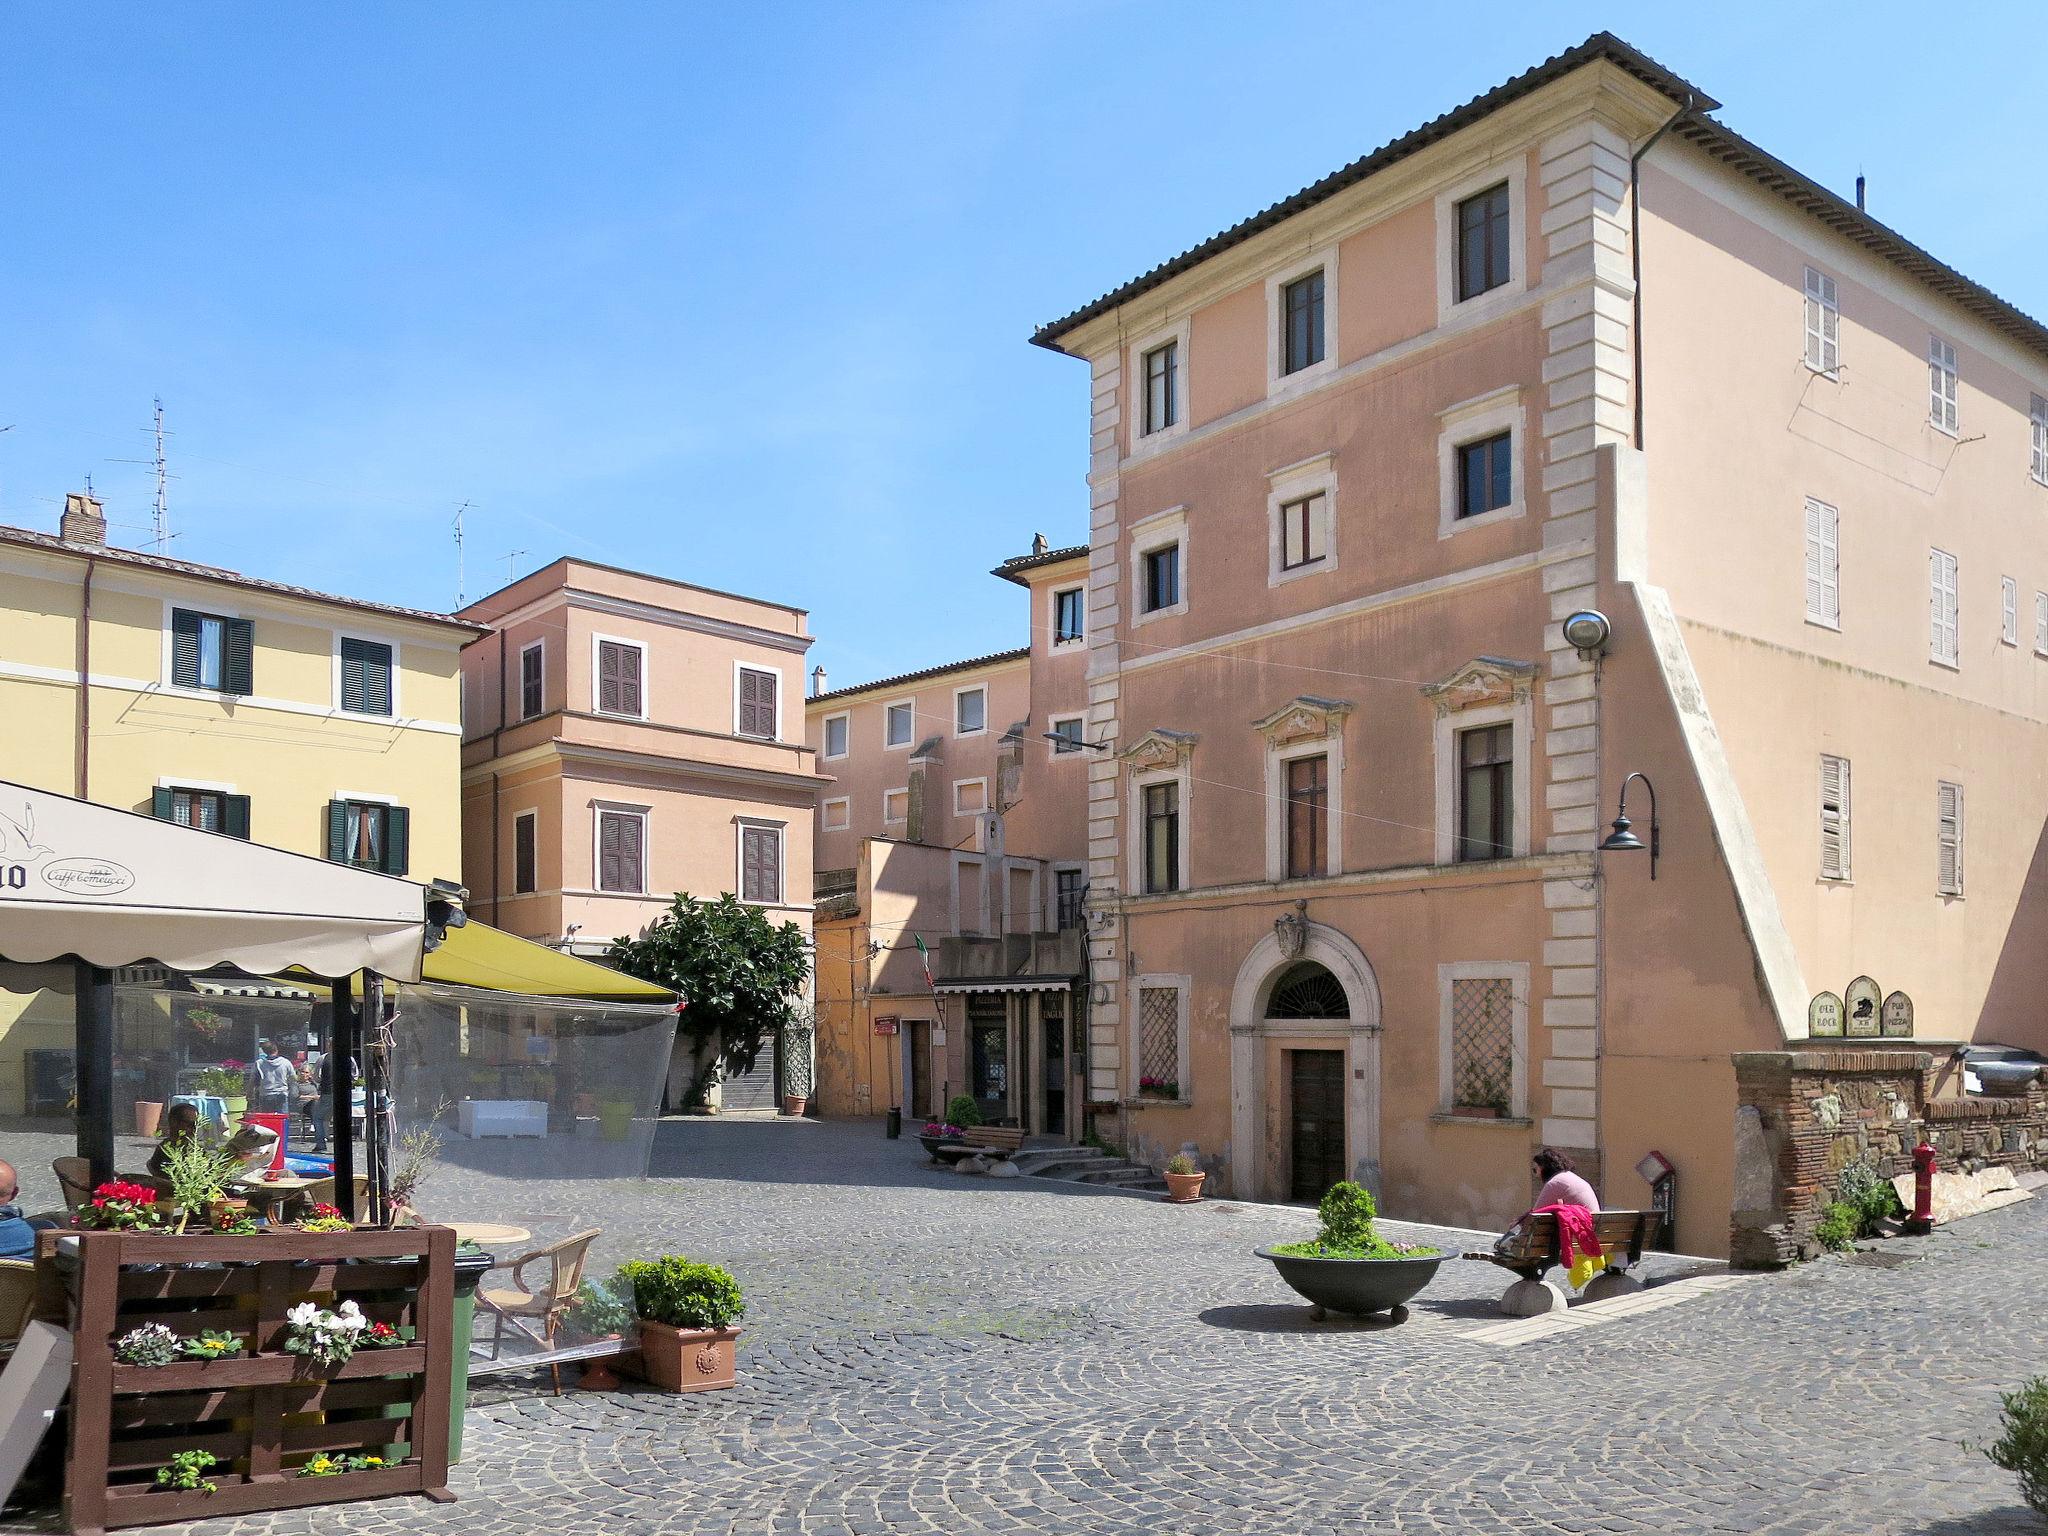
[(961, 1110), (1838, 1226), (1348, 1213), (683, 1293), (2023, 1448)]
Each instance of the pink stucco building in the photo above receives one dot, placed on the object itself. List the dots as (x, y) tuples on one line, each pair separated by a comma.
[(1573, 346)]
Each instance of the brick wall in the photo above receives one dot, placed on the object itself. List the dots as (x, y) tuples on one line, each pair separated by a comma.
[(1803, 1116)]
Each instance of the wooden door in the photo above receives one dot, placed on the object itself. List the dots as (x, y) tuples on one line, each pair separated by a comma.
[(1316, 1097), (920, 1048)]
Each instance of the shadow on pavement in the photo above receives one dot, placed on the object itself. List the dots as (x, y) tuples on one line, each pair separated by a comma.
[(2009, 1520), (1272, 1318)]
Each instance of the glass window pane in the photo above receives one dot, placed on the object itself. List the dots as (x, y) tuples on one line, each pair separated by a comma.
[(212, 643)]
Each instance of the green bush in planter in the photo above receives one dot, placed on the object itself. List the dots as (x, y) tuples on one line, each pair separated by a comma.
[(1348, 1213), (683, 1293), (961, 1110), (2023, 1448)]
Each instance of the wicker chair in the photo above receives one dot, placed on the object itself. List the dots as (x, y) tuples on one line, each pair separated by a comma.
[(525, 1305), (74, 1177), (17, 1297)]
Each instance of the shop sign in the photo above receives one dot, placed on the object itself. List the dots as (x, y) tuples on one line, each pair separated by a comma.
[(1898, 1017), (1824, 1016), (888, 1024), (1863, 998)]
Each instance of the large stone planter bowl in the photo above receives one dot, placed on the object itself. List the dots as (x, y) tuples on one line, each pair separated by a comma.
[(1356, 1286)]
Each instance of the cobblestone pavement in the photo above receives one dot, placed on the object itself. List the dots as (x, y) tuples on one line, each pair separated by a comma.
[(935, 1354)]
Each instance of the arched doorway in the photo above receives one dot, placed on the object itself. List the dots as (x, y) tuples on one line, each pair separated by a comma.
[(1320, 1006)]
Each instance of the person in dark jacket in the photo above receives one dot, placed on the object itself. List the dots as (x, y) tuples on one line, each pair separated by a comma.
[(17, 1232)]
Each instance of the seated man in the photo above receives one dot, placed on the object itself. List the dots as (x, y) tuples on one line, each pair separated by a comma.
[(17, 1232)]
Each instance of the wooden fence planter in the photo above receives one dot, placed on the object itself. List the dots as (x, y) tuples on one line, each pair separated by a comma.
[(263, 1413)]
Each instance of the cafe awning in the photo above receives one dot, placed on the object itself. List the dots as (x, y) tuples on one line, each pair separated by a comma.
[(476, 955), (116, 888)]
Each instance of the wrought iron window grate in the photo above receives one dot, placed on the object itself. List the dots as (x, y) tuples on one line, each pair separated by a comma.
[(1482, 1044), (1159, 1034)]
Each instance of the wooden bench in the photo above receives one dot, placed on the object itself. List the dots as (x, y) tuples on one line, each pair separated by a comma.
[(994, 1138), (1535, 1251)]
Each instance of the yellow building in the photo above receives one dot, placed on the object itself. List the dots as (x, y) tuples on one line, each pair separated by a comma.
[(324, 725)]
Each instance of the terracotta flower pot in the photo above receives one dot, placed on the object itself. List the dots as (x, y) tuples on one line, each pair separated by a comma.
[(688, 1359), (149, 1114), (1184, 1188), (793, 1103)]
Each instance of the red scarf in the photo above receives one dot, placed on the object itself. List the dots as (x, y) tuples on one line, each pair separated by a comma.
[(1574, 1232)]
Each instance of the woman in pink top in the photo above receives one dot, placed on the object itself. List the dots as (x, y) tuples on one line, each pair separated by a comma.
[(1561, 1186)]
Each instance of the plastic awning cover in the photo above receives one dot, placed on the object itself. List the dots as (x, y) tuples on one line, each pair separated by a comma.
[(477, 955)]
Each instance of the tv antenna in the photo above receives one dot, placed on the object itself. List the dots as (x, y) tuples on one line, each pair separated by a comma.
[(508, 557), (461, 585), (160, 519)]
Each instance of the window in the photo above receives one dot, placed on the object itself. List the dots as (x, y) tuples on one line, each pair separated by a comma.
[(759, 715), (369, 835), (1823, 323), (530, 680), (208, 651), (525, 853), (1159, 1042), (838, 814), (621, 680), (1483, 1044), (1069, 616), (1941, 607), (2037, 414), (835, 735), (1162, 577), (365, 677), (1483, 242), (895, 805), (1070, 889), (1301, 320), (1948, 814), (621, 851), (970, 711), (210, 810), (760, 862), (899, 724), (1162, 837), (1486, 792), (2041, 623), (1068, 729), (1941, 383), (1162, 387), (1308, 817), (1834, 818), (970, 797), (1823, 565), (1486, 475), (2009, 611), (1303, 540)]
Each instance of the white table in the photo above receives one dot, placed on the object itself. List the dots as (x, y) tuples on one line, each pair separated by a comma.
[(501, 1117)]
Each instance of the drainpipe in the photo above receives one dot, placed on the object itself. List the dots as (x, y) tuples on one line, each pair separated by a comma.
[(497, 839), (1635, 250), (84, 785)]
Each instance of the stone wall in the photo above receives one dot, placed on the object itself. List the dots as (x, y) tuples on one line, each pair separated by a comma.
[(1803, 1116)]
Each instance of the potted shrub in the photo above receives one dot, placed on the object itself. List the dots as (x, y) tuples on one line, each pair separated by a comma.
[(226, 1083), (1349, 1267), (199, 1169), (936, 1134), (1184, 1178), (686, 1313), (119, 1206)]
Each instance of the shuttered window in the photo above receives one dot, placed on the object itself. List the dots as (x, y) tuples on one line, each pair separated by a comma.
[(620, 855), (1943, 642), (1308, 817), (619, 682), (2041, 623), (1823, 323), (365, 677), (1823, 564), (2008, 610), (760, 863), (531, 678), (757, 703), (2037, 413), (210, 810), (525, 853), (208, 651), (1948, 813), (1834, 818), (369, 835), (1941, 383)]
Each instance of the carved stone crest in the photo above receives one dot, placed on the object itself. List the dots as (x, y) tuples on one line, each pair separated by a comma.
[(1291, 930), (1480, 681), (1159, 749), (1303, 718)]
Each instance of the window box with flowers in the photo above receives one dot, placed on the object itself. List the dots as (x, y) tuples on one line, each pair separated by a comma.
[(1158, 1088)]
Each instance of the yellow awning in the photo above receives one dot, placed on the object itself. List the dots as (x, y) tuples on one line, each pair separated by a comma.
[(476, 955)]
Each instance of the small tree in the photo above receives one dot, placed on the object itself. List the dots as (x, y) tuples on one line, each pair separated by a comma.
[(739, 976)]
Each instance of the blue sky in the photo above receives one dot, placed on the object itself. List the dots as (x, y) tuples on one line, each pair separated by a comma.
[(739, 294)]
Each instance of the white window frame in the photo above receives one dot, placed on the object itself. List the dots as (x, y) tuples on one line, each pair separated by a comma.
[(980, 862), (1277, 759), (1182, 776), (1285, 486), (1944, 386), (2041, 623), (741, 825), (960, 693), (1516, 974), (597, 642), (1052, 618), (904, 819), (1823, 340), (368, 636), (599, 809), (909, 741), (1945, 789), (739, 668), (1469, 421), (1515, 172), (1075, 754), (1282, 385), (1178, 332), (1823, 564), (529, 649), (844, 718), (1944, 609), (1838, 822), (845, 821), (1521, 715), (2009, 611), (1052, 891), (977, 810), (1183, 988), (2037, 422), (533, 816), (1155, 532)]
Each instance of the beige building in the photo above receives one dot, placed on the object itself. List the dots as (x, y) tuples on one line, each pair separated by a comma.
[(1573, 346), (626, 738)]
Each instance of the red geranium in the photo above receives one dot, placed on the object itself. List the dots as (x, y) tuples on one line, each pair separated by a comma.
[(324, 1212), (119, 1205)]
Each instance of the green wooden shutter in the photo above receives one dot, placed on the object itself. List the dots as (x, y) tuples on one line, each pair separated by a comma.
[(184, 648), (377, 679), (235, 816), (160, 804), (352, 676), (238, 666), (337, 831), (397, 839)]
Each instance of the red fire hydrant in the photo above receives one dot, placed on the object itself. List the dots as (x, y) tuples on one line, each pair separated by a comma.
[(1922, 1219)]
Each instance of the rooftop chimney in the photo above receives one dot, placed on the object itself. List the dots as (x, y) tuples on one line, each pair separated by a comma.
[(1040, 544), (817, 681), (83, 521), (1859, 191)]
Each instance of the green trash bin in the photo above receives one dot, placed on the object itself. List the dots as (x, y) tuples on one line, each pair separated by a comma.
[(470, 1264)]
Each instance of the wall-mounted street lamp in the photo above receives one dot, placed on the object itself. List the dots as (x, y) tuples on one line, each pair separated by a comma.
[(1075, 741), (1622, 839), (1586, 632)]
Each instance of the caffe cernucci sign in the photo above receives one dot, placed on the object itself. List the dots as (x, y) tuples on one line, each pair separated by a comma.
[(27, 864)]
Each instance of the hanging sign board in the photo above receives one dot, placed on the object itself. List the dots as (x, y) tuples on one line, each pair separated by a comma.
[(1824, 1016), (1897, 1017), (1862, 998), (888, 1024)]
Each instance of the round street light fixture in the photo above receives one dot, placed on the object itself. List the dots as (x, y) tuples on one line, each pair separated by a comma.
[(1587, 630)]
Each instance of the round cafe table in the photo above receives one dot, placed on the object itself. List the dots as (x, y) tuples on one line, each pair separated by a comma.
[(488, 1234)]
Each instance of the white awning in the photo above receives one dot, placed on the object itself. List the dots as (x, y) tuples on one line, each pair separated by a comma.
[(116, 888), (1005, 984)]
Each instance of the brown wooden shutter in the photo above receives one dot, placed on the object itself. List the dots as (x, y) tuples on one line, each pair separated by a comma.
[(757, 703), (760, 864), (607, 677), (608, 852), (630, 850)]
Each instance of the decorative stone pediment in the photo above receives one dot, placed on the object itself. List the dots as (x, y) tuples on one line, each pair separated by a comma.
[(1482, 680), (1159, 749), (1302, 719)]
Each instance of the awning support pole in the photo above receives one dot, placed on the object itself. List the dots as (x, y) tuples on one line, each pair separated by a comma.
[(343, 1047), (93, 1014)]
